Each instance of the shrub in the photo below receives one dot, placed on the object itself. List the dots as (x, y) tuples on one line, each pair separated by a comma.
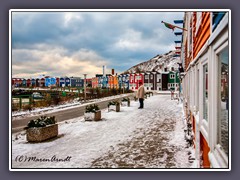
[(113, 103), (27, 107), (48, 99), (91, 108), (56, 100), (41, 122)]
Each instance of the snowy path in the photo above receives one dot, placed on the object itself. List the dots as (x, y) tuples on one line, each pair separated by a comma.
[(149, 138)]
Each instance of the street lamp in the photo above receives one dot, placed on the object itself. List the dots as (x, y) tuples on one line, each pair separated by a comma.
[(85, 94), (123, 82)]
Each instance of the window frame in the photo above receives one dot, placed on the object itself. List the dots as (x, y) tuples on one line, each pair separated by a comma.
[(217, 147), (204, 124)]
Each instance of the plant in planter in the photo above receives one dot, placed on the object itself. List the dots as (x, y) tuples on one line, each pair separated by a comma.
[(41, 129), (92, 112), (126, 101), (114, 105), (149, 93)]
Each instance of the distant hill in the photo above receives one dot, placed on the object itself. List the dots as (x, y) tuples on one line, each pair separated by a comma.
[(159, 63)]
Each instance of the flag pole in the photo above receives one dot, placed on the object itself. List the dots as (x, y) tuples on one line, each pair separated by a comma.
[(174, 26)]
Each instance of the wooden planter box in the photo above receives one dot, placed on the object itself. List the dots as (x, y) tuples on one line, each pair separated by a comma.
[(126, 103), (39, 134), (114, 108), (92, 116)]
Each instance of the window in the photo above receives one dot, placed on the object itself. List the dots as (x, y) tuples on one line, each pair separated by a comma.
[(151, 76), (139, 77), (197, 89), (146, 76), (223, 99), (172, 76), (170, 85), (216, 18), (205, 92)]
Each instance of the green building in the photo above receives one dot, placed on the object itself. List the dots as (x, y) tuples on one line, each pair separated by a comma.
[(173, 80)]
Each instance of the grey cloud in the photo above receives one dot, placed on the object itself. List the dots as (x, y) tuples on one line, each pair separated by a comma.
[(79, 36)]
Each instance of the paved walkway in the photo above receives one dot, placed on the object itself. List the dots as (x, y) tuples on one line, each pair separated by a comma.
[(157, 145), (152, 137)]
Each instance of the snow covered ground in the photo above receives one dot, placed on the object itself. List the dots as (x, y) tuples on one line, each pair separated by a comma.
[(152, 137)]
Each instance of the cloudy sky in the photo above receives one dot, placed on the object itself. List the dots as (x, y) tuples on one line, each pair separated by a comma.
[(74, 43)]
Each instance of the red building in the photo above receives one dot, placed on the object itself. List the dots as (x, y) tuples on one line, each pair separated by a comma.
[(57, 81), (28, 82), (135, 79)]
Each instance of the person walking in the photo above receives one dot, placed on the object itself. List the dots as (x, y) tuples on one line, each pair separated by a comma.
[(140, 95)]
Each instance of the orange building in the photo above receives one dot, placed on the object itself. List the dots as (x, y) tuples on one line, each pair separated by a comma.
[(115, 82), (205, 56), (110, 82), (94, 82)]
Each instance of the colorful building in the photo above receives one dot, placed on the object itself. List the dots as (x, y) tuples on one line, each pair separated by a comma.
[(94, 82), (205, 57), (173, 80), (33, 82), (135, 79), (50, 81), (76, 82), (28, 82), (110, 82), (115, 82), (24, 82), (89, 82), (67, 82), (57, 81), (42, 82), (62, 82)]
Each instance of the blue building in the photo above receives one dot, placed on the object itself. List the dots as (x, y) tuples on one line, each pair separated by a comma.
[(53, 81), (24, 83), (120, 81), (47, 81), (124, 81), (62, 82), (50, 81), (76, 82), (100, 81), (33, 82), (104, 82), (67, 82)]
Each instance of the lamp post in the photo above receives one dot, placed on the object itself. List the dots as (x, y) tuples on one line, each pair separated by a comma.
[(85, 93), (123, 82)]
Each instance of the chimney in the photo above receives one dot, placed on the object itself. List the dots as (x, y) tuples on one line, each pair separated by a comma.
[(112, 71), (103, 70)]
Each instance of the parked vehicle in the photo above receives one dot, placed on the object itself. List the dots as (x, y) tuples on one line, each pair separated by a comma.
[(37, 95)]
